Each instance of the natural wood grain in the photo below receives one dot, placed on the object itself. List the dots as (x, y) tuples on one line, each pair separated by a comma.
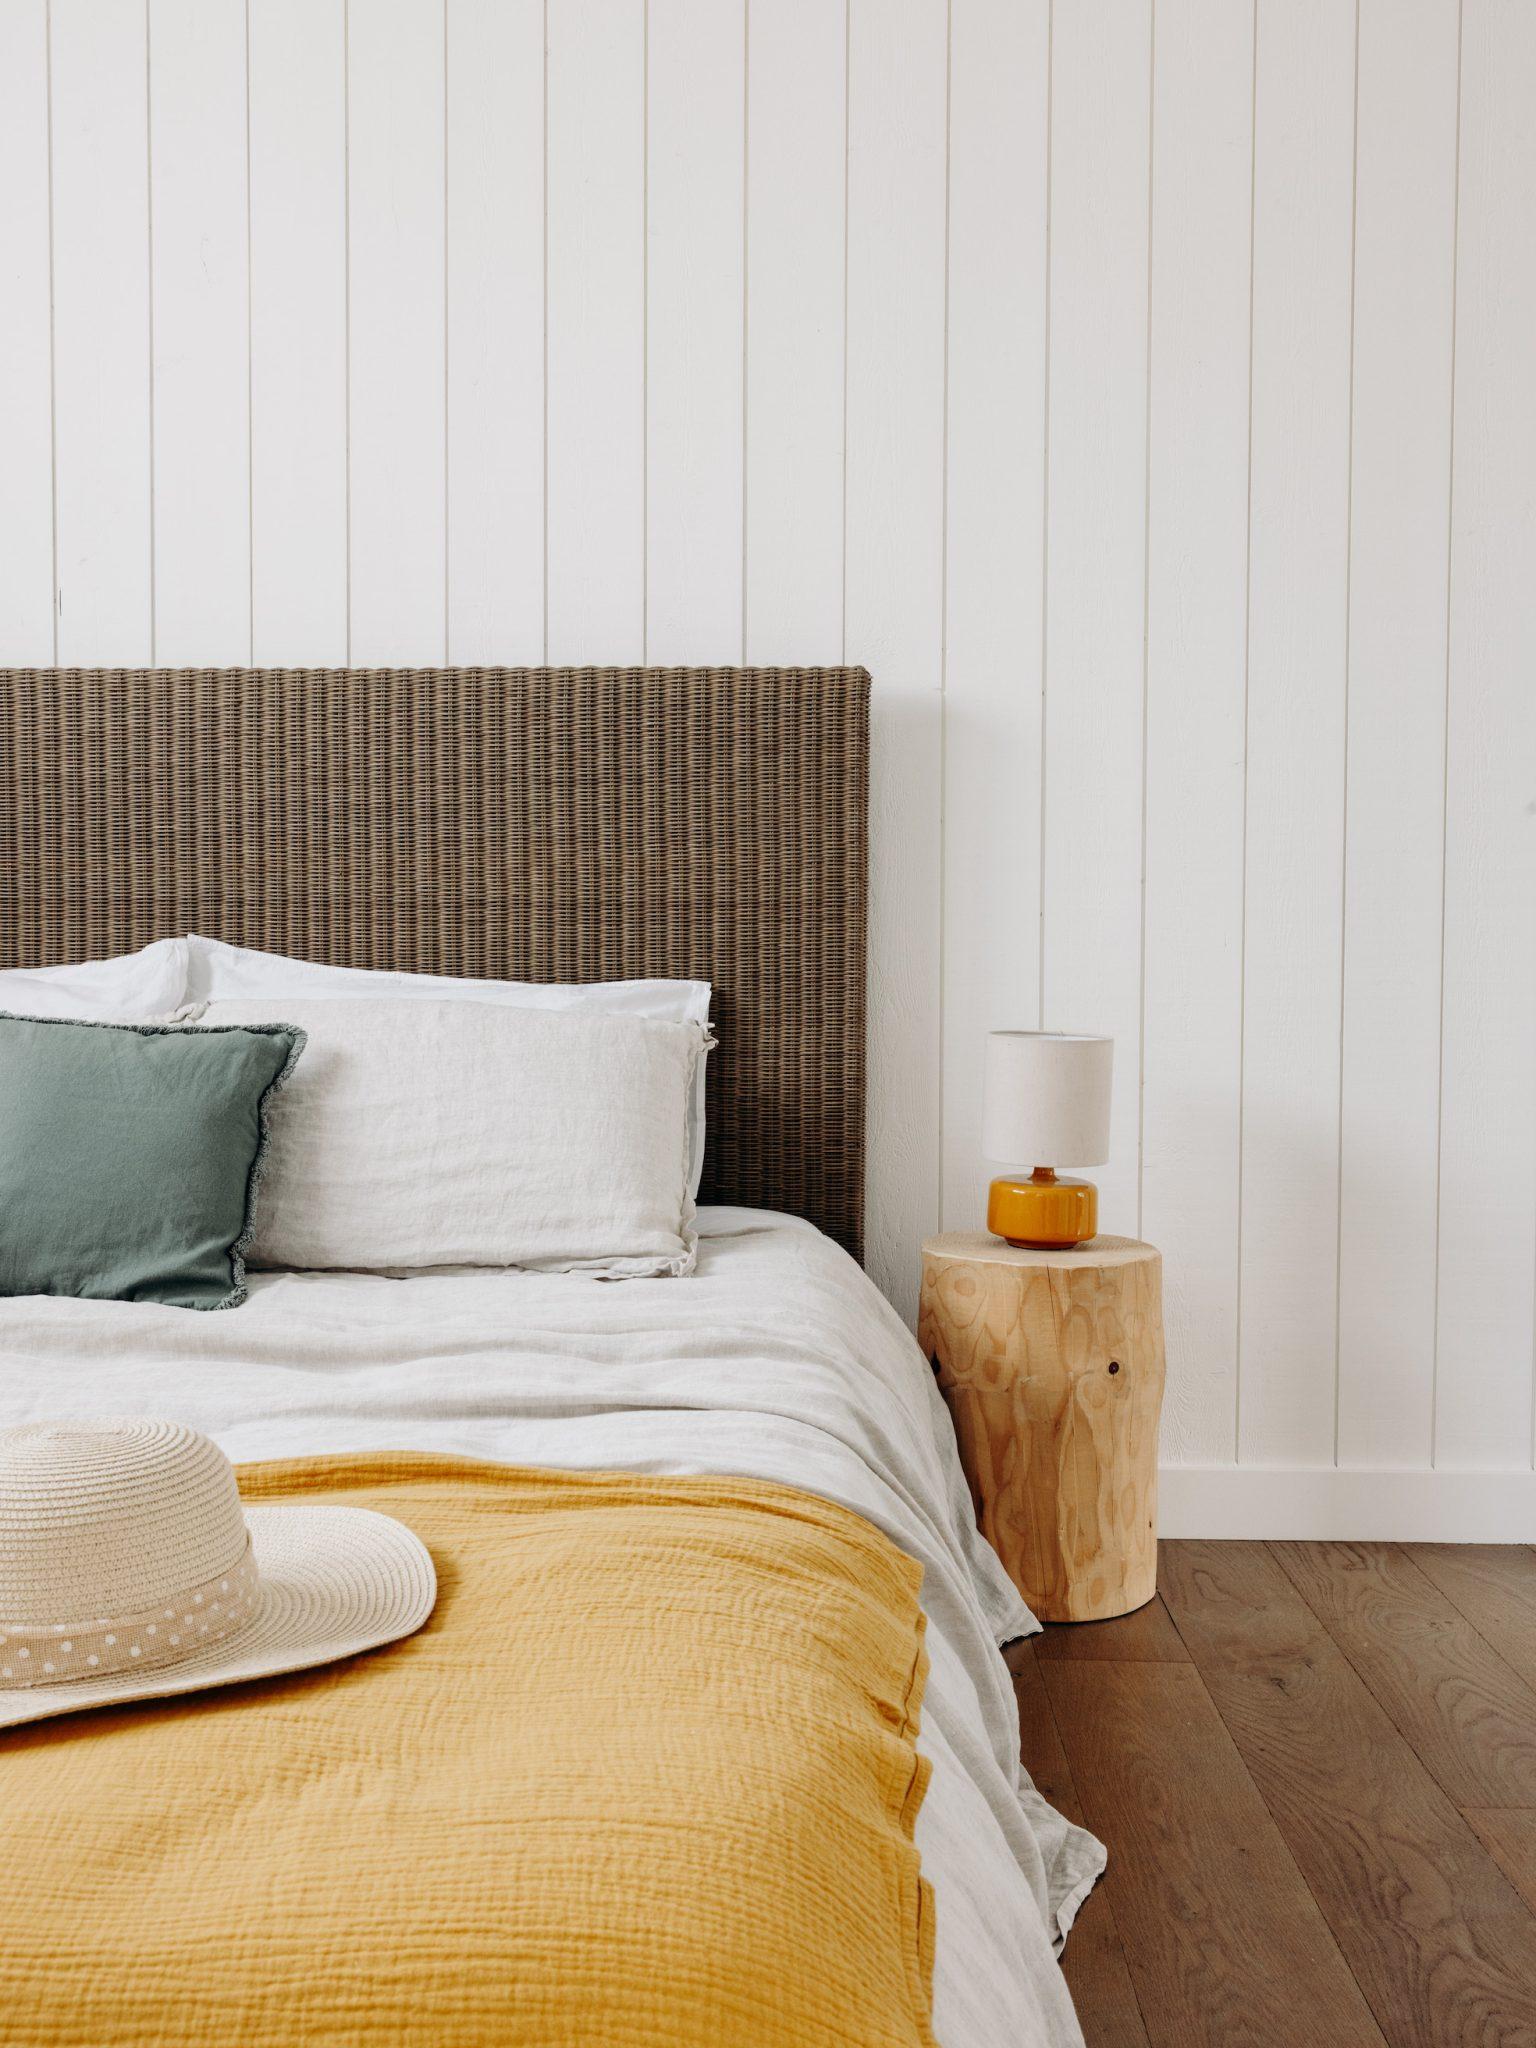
[(1052, 1364), (1464, 1711), (1225, 1943), (1437, 1938), (1145, 1635), (982, 1248), (1094, 1963), (1510, 1833), (1494, 1586)]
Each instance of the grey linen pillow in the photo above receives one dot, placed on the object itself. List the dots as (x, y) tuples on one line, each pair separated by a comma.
[(130, 1156)]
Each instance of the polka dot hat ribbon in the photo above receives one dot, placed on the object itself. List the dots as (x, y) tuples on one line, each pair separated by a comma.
[(188, 1621), (132, 1569)]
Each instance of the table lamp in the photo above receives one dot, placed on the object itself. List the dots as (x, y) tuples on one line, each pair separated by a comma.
[(1045, 1098)]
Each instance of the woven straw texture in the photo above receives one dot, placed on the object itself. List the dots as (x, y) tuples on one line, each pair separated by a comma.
[(110, 1518), (536, 824), (129, 1569)]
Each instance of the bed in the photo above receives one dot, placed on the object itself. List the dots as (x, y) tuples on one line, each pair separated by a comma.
[(579, 825)]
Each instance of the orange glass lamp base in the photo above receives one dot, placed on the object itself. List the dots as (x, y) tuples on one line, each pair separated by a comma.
[(1042, 1213)]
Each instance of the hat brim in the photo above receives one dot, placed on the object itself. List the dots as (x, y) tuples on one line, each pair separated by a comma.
[(333, 1581)]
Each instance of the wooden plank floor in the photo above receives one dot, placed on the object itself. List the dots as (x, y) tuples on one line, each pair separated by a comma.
[(1314, 1765)]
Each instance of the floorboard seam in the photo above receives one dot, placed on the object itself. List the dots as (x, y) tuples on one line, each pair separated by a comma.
[(1383, 2020), (1341, 1644), (1106, 1900), (1405, 1552), (1276, 1824)]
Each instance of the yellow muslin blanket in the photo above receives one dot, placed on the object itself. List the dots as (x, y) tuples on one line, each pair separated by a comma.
[(647, 1779)]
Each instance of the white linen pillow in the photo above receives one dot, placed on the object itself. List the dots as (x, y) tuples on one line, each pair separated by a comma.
[(133, 988), (217, 972), (416, 1134)]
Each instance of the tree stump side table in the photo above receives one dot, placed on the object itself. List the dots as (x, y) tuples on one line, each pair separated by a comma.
[(1052, 1365)]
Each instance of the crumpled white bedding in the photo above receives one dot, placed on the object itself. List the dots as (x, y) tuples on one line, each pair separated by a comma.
[(777, 1359)]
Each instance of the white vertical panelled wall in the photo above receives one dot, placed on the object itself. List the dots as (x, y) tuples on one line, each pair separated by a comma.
[(1143, 392)]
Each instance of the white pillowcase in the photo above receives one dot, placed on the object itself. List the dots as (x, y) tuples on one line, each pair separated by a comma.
[(218, 973), (416, 1133), (133, 988)]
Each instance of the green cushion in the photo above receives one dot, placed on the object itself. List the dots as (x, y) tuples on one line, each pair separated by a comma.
[(130, 1156)]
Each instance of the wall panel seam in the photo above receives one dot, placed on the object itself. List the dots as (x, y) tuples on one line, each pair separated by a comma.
[(847, 151), (545, 330), (250, 374), (149, 258), (943, 794), (746, 179), (1242, 965), (645, 332), (447, 368), (1146, 628), (346, 205), (1445, 757), (1349, 601), (1045, 495), (53, 370)]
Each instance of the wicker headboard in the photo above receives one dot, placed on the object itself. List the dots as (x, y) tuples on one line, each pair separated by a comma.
[(539, 824)]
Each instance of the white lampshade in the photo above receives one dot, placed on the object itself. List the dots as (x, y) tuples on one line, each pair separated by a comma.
[(1045, 1099)]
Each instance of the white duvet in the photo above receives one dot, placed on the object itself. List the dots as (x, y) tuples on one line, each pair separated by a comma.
[(777, 1359)]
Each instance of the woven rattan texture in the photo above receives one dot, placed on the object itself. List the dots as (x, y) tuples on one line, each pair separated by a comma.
[(538, 824)]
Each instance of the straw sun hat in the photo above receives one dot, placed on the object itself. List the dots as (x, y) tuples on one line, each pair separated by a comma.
[(130, 1568)]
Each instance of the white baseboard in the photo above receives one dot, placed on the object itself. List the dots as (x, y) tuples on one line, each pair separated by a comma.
[(1322, 1503)]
